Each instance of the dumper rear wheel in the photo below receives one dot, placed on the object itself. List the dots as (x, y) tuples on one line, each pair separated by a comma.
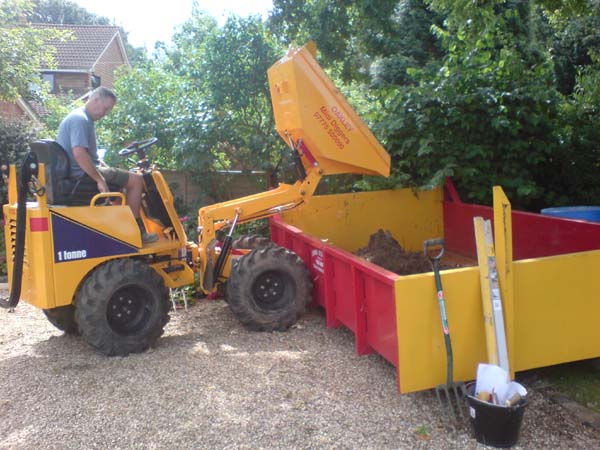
[(269, 289), (122, 307), (63, 318)]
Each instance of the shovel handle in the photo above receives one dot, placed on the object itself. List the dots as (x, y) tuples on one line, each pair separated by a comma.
[(430, 245)]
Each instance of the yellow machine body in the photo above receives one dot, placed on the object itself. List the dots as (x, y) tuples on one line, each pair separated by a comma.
[(85, 265), (63, 244), (308, 107)]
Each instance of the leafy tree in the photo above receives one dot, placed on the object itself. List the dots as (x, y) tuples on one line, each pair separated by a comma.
[(64, 12), (147, 96), (329, 23), (14, 141), (576, 165), (224, 116), (573, 39), (479, 98), (206, 99), (56, 107), (569, 8), (365, 40), (22, 50), (486, 115)]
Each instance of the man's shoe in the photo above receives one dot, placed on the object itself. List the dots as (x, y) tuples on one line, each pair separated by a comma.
[(147, 238)]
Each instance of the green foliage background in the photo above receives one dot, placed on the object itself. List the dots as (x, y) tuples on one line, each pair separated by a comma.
[(498, 92)]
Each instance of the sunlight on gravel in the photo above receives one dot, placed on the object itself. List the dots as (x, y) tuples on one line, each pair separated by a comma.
[(211, 384)]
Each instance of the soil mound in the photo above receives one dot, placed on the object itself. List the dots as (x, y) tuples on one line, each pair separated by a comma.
[(385, 251)]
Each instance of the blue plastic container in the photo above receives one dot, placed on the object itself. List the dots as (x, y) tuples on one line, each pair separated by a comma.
[(589, 213)]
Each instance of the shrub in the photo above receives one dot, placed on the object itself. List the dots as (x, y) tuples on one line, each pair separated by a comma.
[(14, 143)]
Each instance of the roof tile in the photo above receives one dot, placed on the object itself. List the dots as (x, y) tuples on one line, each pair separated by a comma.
[(81, 52)]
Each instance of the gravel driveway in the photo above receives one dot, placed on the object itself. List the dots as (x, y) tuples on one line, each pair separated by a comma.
[(211, 384)]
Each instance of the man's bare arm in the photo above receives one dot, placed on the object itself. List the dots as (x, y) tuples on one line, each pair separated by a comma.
[(82, 157)]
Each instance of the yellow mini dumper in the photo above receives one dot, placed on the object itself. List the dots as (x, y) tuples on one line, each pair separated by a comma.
[(77, 254)]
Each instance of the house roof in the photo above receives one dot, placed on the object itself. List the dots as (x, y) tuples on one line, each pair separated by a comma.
[(88, 44)]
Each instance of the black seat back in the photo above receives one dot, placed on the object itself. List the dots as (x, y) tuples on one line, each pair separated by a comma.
[(58, 167), (61, 187)]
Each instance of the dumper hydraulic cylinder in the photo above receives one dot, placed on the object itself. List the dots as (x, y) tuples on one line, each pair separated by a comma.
[(225, 249)]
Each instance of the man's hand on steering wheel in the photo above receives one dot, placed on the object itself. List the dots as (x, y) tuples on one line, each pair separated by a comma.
[(137, 146)]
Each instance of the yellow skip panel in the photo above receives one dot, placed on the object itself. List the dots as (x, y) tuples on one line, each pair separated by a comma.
[(421, 350), (347, 220), (556, 309)]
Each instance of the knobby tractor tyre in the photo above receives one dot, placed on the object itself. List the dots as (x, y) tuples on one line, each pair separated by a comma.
[(63, 318), (122, 307), (269, 288), (250, 242), (244, 242)]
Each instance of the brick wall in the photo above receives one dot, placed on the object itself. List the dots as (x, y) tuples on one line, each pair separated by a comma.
[(108, 63), (11, 112), (228, 186), (79, 83)]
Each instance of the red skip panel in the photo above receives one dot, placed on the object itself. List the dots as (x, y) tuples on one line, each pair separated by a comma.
[(354, 292), (534, 235)]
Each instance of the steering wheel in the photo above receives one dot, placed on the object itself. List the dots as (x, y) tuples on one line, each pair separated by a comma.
[(137, 146)]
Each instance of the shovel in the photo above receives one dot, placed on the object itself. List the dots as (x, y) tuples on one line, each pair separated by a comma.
[(450, 395)]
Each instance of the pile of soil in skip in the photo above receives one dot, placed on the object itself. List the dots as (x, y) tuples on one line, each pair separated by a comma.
[(385, 251)]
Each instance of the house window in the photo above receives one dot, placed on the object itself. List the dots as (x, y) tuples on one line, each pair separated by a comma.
[(95, 81), (49, 78)]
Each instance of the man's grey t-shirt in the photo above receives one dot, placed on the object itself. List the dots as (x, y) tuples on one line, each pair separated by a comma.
[(78, 130)]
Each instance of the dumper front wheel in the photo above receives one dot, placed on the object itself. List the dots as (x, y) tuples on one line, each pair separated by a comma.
[(122, 307), (269, 289), (63, 318), (245, 242), (250, 242)]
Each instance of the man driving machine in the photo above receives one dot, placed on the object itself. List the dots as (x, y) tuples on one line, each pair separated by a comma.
[(77, 135)]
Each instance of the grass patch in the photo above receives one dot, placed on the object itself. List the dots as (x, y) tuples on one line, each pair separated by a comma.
[(579, 380), (422, 432)]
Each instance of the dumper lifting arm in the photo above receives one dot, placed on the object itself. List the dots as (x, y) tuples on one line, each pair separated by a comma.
[(326, 136)]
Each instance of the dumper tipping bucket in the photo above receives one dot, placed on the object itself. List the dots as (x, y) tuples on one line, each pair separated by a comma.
[(308, 107)]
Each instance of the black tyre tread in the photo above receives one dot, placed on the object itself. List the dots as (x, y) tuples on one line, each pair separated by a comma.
[(245, 242), (93, 296), (250, 242), (248, 268), (222, 291), (63, 318)]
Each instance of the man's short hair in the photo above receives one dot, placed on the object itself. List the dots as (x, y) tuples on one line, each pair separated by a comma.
[(103, 92)]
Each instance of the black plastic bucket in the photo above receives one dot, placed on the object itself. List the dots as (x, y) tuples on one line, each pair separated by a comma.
[(495, 425)]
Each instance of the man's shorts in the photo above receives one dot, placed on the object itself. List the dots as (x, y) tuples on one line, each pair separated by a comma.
[(116, 177)]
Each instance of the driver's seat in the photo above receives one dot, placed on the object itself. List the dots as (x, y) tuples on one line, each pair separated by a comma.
[(61, 187)]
